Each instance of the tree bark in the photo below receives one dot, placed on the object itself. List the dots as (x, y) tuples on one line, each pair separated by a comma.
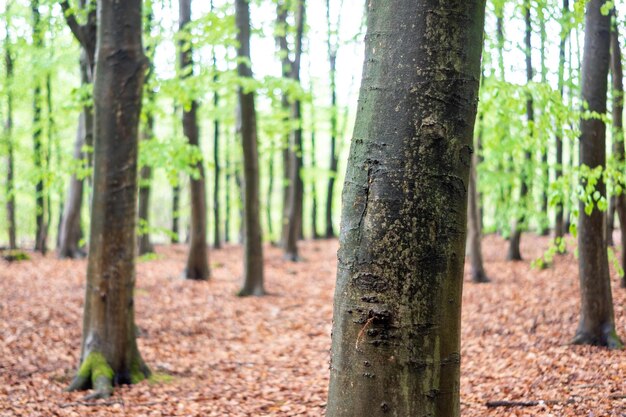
[(514, 253), (253, 247), (217, 239), (144, 245), (175, 209), (396, 332), (474, 227), (559, 224), (8, 136), (197, 261), (296, 188), (332, 61), (109, 353), (597, 322), (70, 231), (38, 153), (618, 134)]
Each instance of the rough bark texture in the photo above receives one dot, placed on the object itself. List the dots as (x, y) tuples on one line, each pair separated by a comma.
[(396, 332), (70, 231), (597, 322), (332, 61), (514, 253), (253, 247), (8, 138), (109, 349), (559, 224), (618, 134), (293, 229), (197, 260)]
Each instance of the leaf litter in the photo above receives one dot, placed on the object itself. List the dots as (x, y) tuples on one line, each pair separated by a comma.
[(214, 354)]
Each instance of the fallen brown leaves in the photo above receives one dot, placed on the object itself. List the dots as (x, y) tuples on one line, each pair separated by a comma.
[(214, 354)]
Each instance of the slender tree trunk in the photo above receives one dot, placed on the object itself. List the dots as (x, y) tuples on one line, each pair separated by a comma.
[(474, 227), (332, 61), (296, 189), (253, 245), (314, 233), (559, 226), (618, 134), (286, 65), (217, 239), (270, 192), (38, 152), (544, 225), (144, 245), (175, 211), (8, 136), (597, 322), (514, 253), (396, 328), (70, 231), (197, 261), (227, 190), (109, 351)]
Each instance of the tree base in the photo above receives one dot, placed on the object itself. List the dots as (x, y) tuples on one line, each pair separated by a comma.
[(480, 278), (252, 292), (607, 339), (96, 373), (292, 257)]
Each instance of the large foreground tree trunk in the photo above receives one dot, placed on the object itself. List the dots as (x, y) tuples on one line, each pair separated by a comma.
[(397, 315), (253, 248), (597, 322), (109, 348), (197, 260)]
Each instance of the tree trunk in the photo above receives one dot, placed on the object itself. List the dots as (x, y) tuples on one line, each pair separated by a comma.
[(397, 315), (197, 261), (332, 60), (314, 233), (514, 253), (109, 352), (144, 245), (217, 239), (8, 136), (597, 322), (70, 231), (559, 226), (618, 134), (38, 152), (474, 227), (296, 189), (253, 245), (175, 210), (544, 225)]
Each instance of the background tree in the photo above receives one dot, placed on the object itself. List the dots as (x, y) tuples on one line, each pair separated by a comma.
[(404, 212), (597, 322), (197, 261), (109, 350), (70, 231), (253, 248), (8, 133)]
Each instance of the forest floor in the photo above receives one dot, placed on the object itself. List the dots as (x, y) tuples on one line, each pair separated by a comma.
[(213, 354)]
